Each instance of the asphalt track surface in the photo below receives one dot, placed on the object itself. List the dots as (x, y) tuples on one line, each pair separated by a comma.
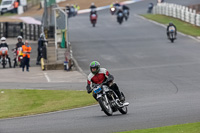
[(160, 79)]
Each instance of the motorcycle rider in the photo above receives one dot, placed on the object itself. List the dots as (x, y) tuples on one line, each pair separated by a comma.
[(67, 9), (171, 25), (99, 75), (150, 7), (93, 9), (124, 7), (118, 13), (40, 45), (117, 4), (19, 43), (4, 44)]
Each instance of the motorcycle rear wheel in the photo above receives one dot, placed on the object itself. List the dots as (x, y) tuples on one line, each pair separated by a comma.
[(4, 63), (105, 106)]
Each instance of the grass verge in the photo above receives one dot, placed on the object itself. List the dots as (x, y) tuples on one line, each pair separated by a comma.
[(183, 128), (182, 26), (14, 103)]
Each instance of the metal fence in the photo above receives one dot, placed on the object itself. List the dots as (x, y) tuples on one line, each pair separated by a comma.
[(27, 31), (178, 11)]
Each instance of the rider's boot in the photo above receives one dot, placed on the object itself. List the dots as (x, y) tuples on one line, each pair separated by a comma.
[(116, 90), (9, 62), (122, 98)]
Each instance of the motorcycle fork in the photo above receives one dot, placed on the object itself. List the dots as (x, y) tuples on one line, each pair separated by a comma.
[(106, 98)]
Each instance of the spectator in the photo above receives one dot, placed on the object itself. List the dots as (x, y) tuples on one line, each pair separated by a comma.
[(26, 49), (16, 5)]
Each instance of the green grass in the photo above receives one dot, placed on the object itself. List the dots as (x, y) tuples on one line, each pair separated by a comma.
[(183, 128), (15, 103), (182, 26), (8, 14)]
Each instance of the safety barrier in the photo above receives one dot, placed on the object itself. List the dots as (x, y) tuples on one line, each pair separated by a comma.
[(178, 11), (27, 31)]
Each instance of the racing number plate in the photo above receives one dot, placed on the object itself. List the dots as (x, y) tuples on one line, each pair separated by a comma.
[(97, 90)]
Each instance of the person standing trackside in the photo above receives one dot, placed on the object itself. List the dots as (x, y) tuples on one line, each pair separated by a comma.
[(26, 49), (41, 41), (16, 4)]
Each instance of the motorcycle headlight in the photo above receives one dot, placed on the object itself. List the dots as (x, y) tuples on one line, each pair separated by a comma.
[(112, 9)]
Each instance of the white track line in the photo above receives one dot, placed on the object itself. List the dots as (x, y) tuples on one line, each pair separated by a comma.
[(54, 112), (47, 77)]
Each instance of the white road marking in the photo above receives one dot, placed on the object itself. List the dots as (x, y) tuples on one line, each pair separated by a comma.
[(47, 77), (54, 112)]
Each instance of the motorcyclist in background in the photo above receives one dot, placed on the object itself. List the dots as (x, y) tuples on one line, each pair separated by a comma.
[(125, 11), (150, 8), (19, 43), (41, 41), (67, 9), (4, 44), (120, 11), (93, 9), (168, 29), (99, 75), (117, 4), (124, 7), (120, 15)]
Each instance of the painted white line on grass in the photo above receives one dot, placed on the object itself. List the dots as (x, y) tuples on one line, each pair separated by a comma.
[(47, 77)]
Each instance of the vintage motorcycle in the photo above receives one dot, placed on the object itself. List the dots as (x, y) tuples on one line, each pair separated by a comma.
[(120, 17), (18, 56), (126, 14), (4, 54), (93, 19), (108, 100), (112, 10), (172, 35)]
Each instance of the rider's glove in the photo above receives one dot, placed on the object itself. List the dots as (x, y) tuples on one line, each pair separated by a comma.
[(89, 90), (110, 78)]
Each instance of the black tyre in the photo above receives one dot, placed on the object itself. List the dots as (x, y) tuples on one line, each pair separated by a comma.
[(123, 110), (4, 63), (172, 40), (93, 24), (105, 106)]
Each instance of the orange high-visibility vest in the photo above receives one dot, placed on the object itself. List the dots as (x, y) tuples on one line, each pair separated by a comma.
[(16, 4), (26, 50)]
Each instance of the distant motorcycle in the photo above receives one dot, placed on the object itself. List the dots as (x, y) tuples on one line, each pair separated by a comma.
[(3, 54), (18, 56), (150, 8), (172, 34), (108, 100), (126, 14), (112, 10), (93, 19), (120, 17)]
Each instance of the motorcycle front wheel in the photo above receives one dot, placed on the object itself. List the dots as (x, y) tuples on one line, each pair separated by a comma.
[(105, 106), (123, 110)]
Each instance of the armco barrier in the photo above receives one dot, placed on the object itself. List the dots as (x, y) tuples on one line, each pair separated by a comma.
[(178, 11)]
